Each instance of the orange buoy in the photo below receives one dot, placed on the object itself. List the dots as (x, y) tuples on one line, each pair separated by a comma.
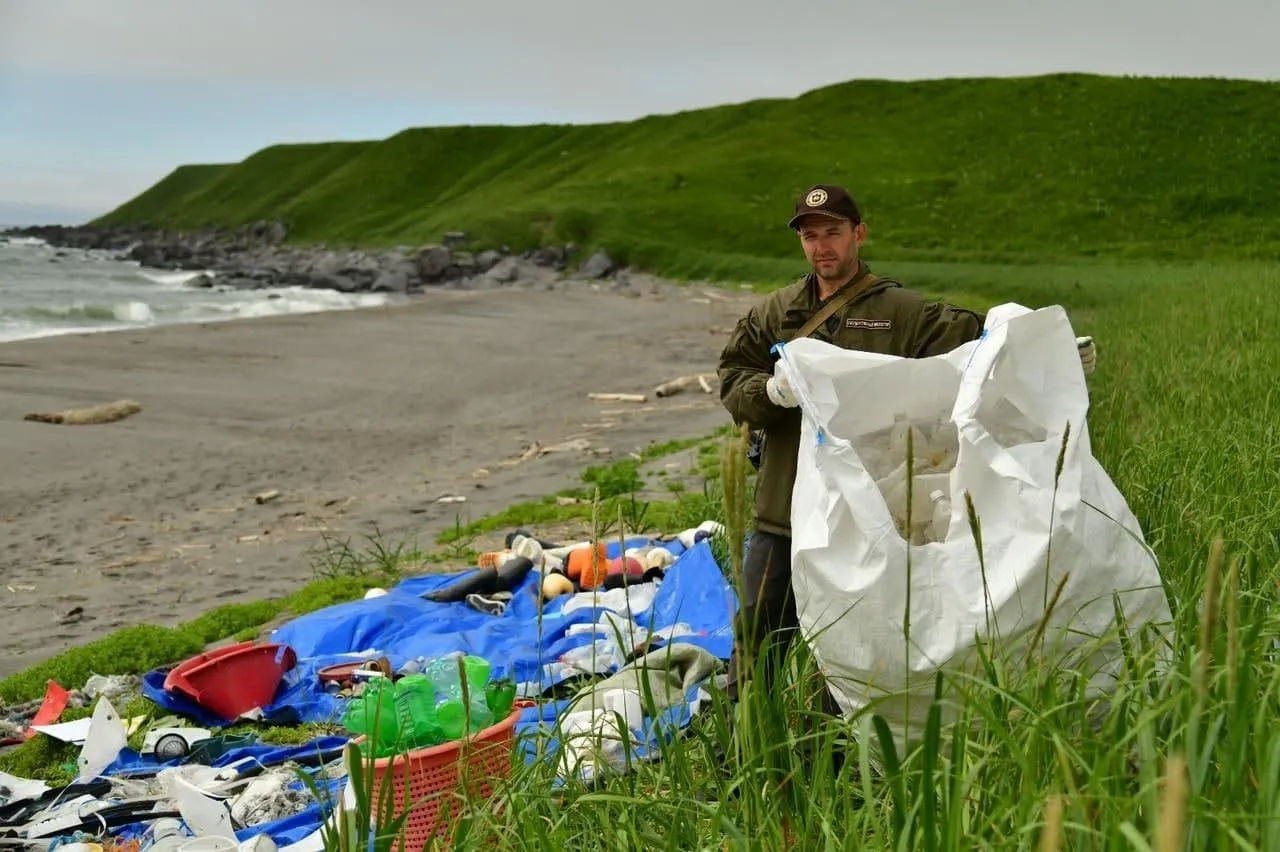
[(579, 561)]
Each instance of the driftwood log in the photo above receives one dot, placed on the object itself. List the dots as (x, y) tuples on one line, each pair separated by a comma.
[(675, 386), (106, 413), (616, 397)]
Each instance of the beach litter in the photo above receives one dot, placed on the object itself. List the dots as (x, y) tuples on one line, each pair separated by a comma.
[(653, 610)]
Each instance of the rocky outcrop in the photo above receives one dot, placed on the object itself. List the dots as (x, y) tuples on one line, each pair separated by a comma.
[(258, 256)]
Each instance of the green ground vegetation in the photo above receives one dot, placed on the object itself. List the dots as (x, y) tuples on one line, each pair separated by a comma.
[(1031, 169)]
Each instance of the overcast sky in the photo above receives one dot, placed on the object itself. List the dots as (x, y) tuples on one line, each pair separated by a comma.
[(100, 98)]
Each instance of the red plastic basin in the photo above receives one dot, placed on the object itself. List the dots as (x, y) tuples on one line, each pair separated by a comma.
[(233, 680)]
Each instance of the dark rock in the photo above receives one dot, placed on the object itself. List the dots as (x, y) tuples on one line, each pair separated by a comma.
[(271, 233), (391, 281), (257, 256), (465, 263), (433, 262), (550, 256), (505, 271), (597, 266), (487, 260)]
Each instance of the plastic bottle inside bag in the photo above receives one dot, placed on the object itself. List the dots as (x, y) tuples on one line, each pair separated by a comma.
[(898, 440), (941, 515), (893, 487)]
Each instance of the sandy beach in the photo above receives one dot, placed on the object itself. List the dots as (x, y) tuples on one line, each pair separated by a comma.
[(357, 418)]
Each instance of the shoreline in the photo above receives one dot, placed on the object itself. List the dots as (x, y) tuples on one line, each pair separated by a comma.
[(255, 262), (258, 256), (361, 420)]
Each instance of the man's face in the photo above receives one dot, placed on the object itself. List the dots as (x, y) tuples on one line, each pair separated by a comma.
[(831, 245)]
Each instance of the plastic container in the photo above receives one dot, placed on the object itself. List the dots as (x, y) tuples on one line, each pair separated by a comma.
[(416, 712), (941, 515), (374, 715), (456, 716), (233, 680), (426, 783), (500, 695)]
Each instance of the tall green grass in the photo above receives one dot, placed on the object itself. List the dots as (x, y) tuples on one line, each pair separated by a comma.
[(1187, 756)]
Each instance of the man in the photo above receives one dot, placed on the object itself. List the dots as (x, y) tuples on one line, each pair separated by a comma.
[(882, 316)]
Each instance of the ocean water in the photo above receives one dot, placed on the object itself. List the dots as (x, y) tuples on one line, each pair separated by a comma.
[(46, 292)]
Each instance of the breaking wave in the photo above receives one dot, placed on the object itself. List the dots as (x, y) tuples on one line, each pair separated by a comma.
[(199, 306), (171, 279)]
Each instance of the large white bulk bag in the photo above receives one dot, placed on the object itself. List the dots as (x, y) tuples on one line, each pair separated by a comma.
[(990, 420)]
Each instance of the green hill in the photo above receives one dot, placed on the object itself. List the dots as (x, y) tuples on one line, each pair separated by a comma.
[(1047, 167)]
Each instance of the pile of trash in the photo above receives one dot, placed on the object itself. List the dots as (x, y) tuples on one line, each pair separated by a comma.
[(422, 709), (918, 496), (429, 661)]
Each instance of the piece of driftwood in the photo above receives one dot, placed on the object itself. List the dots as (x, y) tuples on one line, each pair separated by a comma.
[(266, 496), (617, 397), (106, 413), (580, 445), (675, 386)]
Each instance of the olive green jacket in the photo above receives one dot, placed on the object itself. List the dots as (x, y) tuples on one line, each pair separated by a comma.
[(887, 318)]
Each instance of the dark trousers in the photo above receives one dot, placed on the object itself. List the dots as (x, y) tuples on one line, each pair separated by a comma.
[(766, 624)]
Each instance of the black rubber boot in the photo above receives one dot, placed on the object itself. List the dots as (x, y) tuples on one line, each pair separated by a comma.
[(512, 573), (483, 582)]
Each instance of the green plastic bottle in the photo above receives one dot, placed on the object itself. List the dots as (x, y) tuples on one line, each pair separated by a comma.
[(452, 712), (373, 714), (500, 695), (416, 711)]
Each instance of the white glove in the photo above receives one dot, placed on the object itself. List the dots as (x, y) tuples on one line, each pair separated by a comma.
[(1088, 353), (779, 391)]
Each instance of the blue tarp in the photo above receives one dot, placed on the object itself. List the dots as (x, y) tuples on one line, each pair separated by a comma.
[(402, 626)]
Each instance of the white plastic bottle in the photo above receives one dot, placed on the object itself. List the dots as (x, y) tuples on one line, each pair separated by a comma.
[(941, 515)]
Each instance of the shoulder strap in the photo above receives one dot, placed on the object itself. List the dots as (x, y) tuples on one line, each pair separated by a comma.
[(844, 297)]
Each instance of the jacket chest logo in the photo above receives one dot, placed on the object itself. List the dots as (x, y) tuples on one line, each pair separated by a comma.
[(868, 324)]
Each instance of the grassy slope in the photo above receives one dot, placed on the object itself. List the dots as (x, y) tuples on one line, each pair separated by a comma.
[(1057, 166)]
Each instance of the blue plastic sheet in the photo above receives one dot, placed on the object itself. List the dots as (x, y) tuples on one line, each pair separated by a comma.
[(403, 626)]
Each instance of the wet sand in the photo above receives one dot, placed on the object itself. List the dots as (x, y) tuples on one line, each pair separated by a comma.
[(361, 420)]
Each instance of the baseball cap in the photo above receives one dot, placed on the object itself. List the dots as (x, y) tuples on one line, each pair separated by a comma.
[(826, 199)]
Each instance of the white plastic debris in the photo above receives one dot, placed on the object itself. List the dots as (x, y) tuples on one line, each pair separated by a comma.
[(103, 741)]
